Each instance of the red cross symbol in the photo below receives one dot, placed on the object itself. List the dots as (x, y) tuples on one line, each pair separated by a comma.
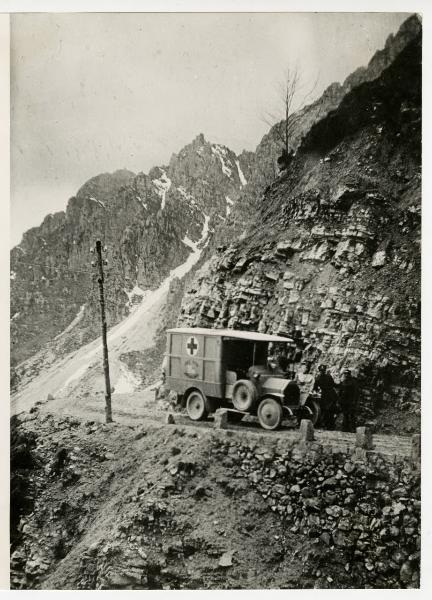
[(192, 346)]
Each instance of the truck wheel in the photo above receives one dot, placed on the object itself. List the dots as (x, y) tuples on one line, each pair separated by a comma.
[(269, 413), (316, 411), (196, 406), (244, 395)]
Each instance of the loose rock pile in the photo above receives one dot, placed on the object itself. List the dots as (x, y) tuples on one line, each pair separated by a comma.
[(168, 507), (363, 517)]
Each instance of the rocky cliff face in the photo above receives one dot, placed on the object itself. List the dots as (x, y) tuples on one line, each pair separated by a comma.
[(262, 164), (333, 256), (149, 224)]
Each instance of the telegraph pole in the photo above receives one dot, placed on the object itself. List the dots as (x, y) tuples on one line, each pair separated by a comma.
[(100, 263)]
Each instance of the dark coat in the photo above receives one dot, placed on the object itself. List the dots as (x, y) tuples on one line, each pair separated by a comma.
[(349, 393), (325, 383)]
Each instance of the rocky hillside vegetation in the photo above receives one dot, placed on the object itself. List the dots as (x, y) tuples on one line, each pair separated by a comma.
[(333, 256)]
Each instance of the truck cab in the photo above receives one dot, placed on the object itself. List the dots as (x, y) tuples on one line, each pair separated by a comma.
[(212, 368)]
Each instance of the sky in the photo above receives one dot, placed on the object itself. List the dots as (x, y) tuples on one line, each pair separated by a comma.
[(92, 93)]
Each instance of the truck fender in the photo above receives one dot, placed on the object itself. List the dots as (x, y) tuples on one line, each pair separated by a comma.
[(287, 411), (278, 397)]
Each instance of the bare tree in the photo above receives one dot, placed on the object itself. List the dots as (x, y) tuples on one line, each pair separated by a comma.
[(292, 98)]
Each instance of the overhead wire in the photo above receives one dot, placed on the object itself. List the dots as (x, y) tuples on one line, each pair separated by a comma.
[(67, 268)]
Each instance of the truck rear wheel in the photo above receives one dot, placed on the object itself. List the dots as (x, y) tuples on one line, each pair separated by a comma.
[(269, 414), (244, 395), (196, 406)]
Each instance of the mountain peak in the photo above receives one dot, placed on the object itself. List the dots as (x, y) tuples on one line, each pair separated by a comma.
[(200, 139)]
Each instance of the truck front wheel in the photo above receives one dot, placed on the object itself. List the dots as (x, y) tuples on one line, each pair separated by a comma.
[(270, 414), (314, 410), (196, 406)]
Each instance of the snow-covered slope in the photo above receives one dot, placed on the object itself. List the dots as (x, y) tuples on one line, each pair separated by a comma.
[(134, 333)]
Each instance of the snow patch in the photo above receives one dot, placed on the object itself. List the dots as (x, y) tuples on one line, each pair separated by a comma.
[(151, 299), (141, 201), (76, 320), (194, 245), (15, 316), (221, 153), (127, 382), (162, 185), (97, 201), (229, 203), (133, 294), (187, 196), (77, 375), (186, 240), (243, 179), (13, 275)]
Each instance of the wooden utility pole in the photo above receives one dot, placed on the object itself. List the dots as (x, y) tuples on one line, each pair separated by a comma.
[(108, 413)]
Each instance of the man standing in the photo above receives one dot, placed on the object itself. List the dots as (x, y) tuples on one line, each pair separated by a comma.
[(348, 397), (273, 365), (283, 359), (305, 380), (329, 398)]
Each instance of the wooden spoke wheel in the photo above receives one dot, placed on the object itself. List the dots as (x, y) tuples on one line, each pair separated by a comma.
[(196, 405), (244, 395), (269, 413)]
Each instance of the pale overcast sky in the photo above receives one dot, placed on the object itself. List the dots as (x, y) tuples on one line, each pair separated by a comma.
[(97, 92)]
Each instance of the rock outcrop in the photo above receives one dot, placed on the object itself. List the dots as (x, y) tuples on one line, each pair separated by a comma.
[(262, 168), (332, 258)]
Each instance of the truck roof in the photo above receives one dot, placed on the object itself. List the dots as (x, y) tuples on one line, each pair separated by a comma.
[(252, 336)]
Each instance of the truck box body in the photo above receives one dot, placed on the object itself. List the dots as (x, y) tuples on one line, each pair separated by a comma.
[(195, 359)]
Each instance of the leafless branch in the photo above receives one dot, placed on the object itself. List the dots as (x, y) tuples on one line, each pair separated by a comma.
[(284, 125)]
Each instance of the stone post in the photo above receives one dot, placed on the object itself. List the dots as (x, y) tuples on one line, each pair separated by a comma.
[(416, 448), (221, 418), (169, 419), (364, 438), (306, 431)]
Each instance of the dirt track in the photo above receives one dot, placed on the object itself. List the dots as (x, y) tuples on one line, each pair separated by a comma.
[(132, 409)]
